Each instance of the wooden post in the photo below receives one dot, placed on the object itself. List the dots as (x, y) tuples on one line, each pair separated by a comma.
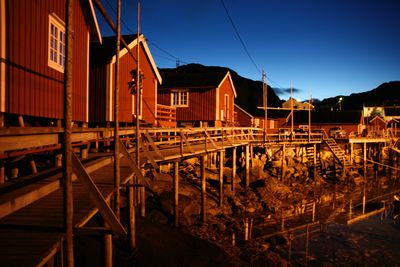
[(350, 209), (221, 177), (33, 165), (315, 161), (283, 162), (365, 177), (21, 121), (233, 169), (203, 188), (251, 229), (176, 193), (247, 166), (142, 195), (313, 211), (132, 215), (58, 161), (351, 153), (67, 141), (108, 251), (2, 172), (246, 229), (84, 151), (117, 171), (307, 239)]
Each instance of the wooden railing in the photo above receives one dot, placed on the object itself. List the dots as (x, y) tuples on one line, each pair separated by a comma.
[(166, 116)]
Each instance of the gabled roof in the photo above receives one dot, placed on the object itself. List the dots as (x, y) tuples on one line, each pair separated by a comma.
[(90, 15), (105, 53), (192, 80), (244, 111), (328, 117)]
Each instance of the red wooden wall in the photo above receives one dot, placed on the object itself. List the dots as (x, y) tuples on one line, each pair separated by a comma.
[(99, 89), (32, 87)]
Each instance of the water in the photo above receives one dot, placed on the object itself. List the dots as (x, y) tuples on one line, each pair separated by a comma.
[(372, 242)]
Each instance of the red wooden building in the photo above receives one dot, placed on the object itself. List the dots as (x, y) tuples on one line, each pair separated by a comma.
[(32, 47), (102, 76), (243, 118), (201, 99)]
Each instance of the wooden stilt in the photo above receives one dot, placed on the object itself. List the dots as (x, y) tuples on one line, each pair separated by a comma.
[(233, 169), (142, 191), (21, 122), (84, 152), (33, 165), (315, 161), (14, 172), (221, 177), (203, 188), (132, 216), (2, 123), (108, 250), (365, 177), (283, 163), (246, 229), (351, 153), (58, 161), (2, 172), (247, 148), (176, 193)]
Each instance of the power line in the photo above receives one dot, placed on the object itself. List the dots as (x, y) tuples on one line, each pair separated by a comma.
[(240, 38)]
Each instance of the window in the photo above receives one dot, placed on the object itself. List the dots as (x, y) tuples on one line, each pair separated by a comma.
[(180, 98), (56, 43)]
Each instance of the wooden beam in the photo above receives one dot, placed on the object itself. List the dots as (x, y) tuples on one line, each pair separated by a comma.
[(176, 193), (135, 168), (203, 188), (97, 197), (221, 177)]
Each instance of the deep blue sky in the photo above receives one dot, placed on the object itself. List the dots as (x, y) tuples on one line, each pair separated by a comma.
[(325, 47)]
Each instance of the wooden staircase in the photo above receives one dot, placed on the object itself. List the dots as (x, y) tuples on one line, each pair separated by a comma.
[(337, 152), (310, 157)]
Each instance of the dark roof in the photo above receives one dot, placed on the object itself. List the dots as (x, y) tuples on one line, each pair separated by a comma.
[(175, 78), (276, 113), (392, 111), (102, 53), (328, 117)]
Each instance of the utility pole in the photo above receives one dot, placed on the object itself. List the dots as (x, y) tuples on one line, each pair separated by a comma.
[(117, 175), (291, 108), (67, 141), (265, 98)]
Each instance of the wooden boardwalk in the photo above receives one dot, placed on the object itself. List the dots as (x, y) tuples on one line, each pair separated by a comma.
[(31, 217)]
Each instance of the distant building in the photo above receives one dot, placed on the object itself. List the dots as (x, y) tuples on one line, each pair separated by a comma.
[(297, 104), (200, 99), (243, 118)]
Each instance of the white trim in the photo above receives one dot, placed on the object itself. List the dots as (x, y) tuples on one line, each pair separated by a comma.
[(87, 76), (217, 104), (226, 108), (156, 99), (228, 75), (109, 87), (131, 45), (244, 111), (3, 55), (96, 25)]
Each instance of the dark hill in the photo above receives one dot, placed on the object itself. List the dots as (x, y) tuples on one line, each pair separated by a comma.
[(387, 94), (249, 92)]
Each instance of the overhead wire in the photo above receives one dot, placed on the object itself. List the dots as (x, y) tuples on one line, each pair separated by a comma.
[(240, 38), (148, 40)]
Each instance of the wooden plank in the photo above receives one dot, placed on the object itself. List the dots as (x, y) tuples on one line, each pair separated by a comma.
[(8, 143), (97, 197)]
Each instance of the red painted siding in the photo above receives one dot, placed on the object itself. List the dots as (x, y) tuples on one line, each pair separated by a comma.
[(243, 119), (202, 105), (99, 87), (226, 89), (32, 87)]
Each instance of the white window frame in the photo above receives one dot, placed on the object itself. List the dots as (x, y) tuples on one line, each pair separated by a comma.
[(57, 38), (181, 95)]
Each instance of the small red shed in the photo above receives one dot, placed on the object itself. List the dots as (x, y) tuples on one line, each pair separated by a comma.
[(201, 99), (102, 76), (32, 47)]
